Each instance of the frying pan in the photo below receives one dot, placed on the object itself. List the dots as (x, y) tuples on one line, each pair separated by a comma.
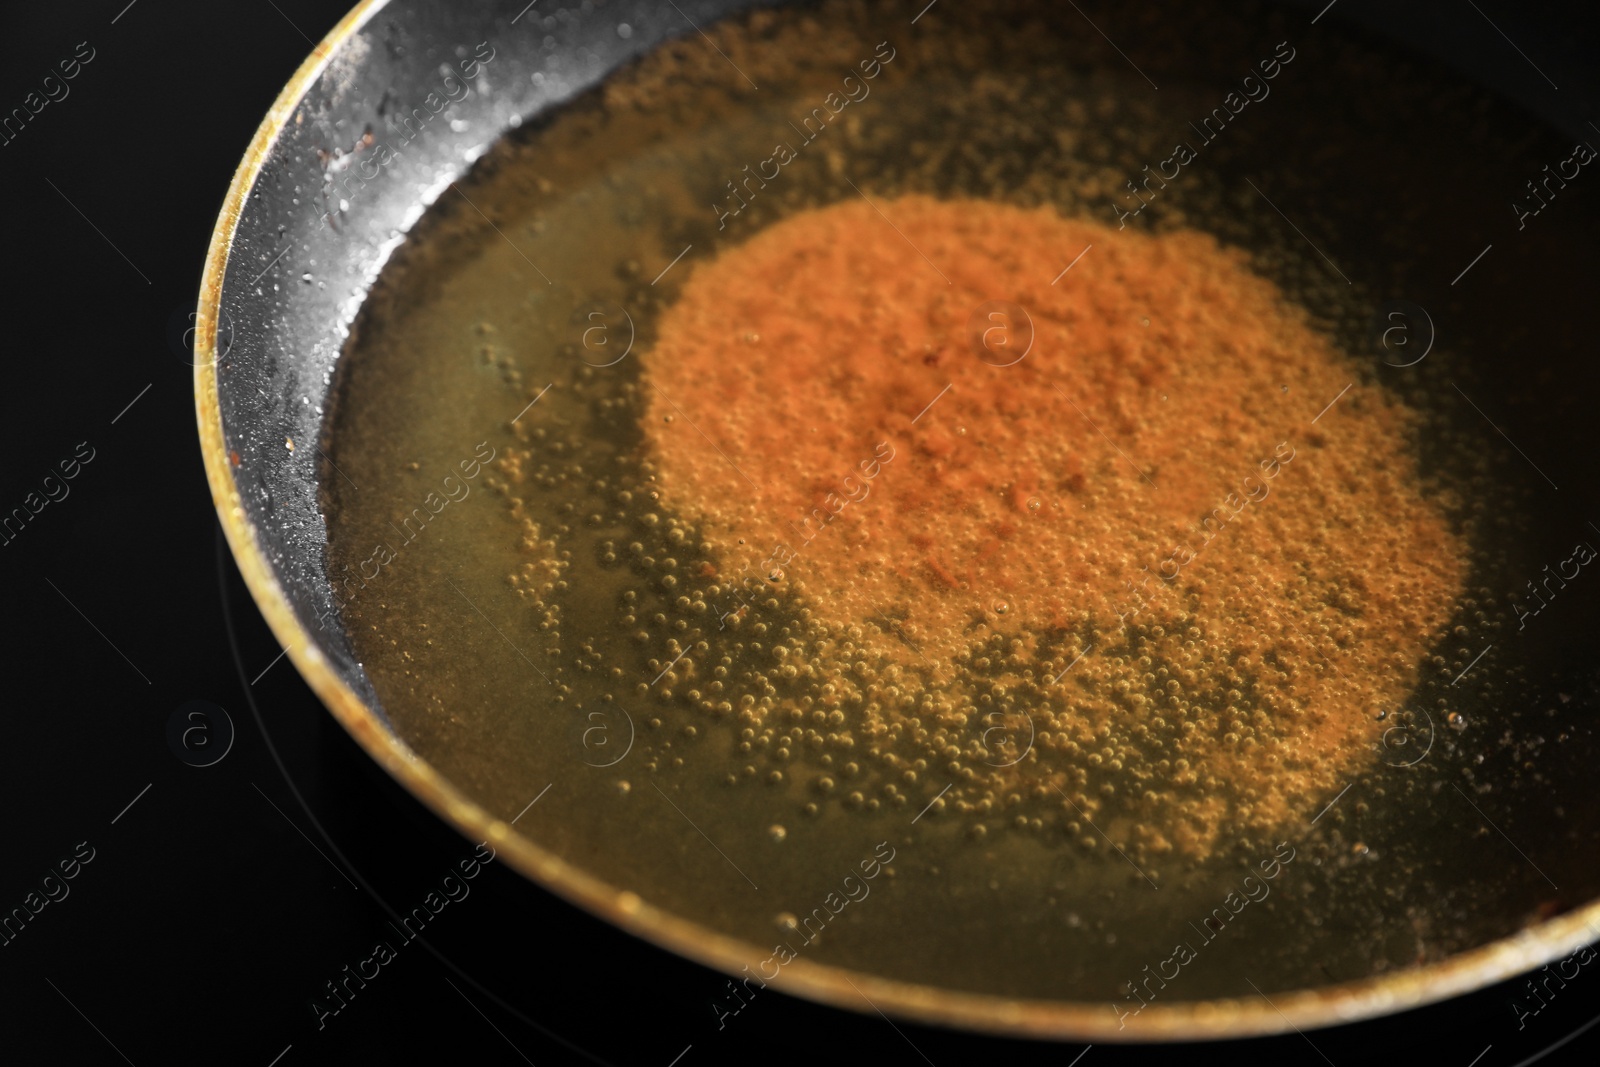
[(295, 256)]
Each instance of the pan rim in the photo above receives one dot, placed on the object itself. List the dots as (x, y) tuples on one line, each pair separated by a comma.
[(838, 987)]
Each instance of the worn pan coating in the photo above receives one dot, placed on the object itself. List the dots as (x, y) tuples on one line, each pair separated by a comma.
[(267, 345)]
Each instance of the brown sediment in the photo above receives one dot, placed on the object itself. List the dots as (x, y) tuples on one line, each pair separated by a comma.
[(1134, 543)]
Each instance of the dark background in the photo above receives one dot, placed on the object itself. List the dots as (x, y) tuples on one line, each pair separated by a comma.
[(217, 906)]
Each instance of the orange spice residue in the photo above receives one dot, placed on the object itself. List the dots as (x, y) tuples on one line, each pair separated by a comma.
[(1133, 543)]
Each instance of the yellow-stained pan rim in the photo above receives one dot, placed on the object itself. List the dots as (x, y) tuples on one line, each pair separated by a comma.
[(856, 991)]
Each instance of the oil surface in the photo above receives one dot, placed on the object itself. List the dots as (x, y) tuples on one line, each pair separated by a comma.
[(552, 603)]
